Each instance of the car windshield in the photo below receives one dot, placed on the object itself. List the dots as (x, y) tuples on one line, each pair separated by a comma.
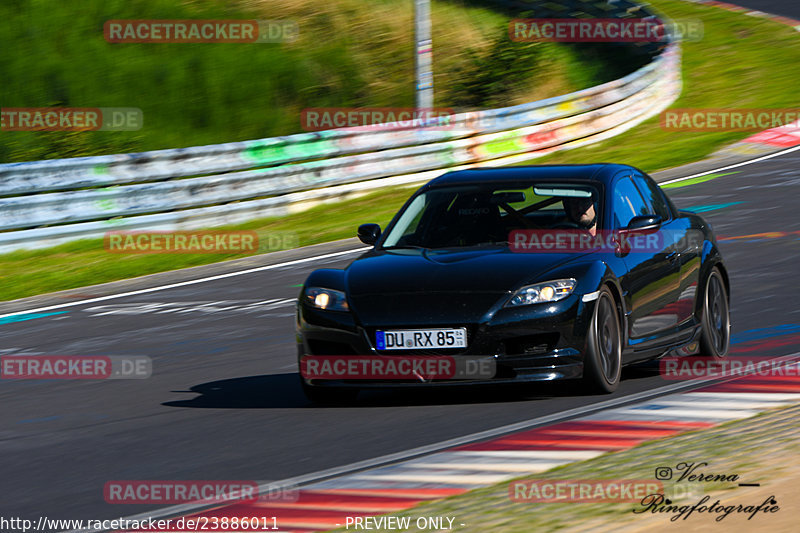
[(485, 214)]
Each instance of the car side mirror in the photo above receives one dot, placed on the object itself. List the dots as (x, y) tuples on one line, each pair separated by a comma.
[(369, 233), (644, 223)]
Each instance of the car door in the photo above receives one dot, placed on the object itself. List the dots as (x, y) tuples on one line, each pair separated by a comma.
[(652, 279), (686, 242)]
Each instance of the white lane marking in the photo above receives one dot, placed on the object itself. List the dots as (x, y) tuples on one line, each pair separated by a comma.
[(185, 283), (141, 308), (566, 455), (674, 412), (736, 165), (718, 403), (522, 468), (650, 416), (466, 457), (350, 505), (348, 483), (434, 477), (776, 397)]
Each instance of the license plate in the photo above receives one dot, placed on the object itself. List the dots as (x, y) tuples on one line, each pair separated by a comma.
[(414, 339)]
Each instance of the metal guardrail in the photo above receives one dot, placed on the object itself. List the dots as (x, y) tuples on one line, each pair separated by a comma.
[(43, 203)]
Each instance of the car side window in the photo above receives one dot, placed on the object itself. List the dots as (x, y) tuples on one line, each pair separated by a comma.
[(653, 195), (628, 203)]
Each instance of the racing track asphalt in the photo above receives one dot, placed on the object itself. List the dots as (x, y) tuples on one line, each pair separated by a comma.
[(223, 401)]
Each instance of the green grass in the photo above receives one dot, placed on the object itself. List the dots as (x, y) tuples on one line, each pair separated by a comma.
[(349, 53), (741, 62)]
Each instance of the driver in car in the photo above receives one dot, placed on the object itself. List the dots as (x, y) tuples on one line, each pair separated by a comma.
[(581, 212)]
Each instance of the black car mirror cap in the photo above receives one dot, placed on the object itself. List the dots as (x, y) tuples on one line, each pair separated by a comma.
[(644, 223), (369, 233)]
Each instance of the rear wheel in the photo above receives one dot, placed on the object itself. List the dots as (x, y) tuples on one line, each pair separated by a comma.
[(715, 337), (602, 365), (328, 396)]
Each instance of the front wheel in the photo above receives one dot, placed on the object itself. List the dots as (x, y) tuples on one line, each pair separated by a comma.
[(715, 337), (602, 365)]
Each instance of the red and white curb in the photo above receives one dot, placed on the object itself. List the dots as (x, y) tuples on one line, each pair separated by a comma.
[(403, 485)]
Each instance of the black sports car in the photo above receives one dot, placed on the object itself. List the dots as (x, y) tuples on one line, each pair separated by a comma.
[(553, 272)]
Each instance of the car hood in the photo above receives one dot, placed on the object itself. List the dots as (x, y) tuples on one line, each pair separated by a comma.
[(411, 286), (420, 271)]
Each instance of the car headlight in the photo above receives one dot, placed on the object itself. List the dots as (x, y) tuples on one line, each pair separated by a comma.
[(550, 291), (328, 299)]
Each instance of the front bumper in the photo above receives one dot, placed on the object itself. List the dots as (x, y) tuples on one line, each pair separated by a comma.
[(540, 342)]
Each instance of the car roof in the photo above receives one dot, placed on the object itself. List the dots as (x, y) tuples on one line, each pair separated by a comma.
[(598, 172)]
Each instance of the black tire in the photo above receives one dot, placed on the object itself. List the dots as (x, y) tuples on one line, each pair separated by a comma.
[(602, 363), (328, 396), (715, 337)]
